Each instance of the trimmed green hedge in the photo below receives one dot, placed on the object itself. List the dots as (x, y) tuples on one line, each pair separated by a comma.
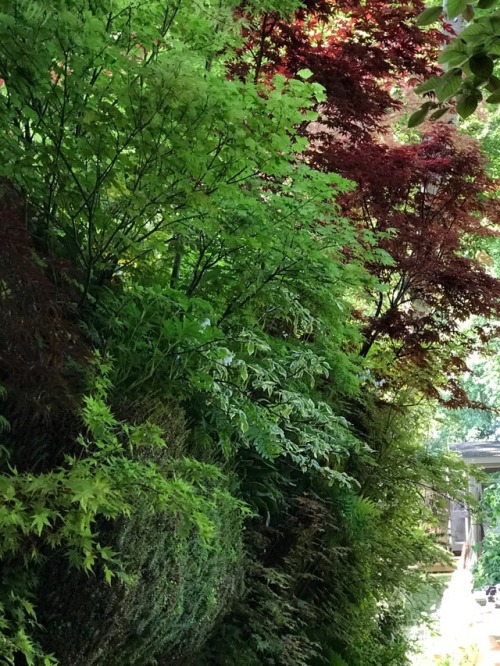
[(180, 588)]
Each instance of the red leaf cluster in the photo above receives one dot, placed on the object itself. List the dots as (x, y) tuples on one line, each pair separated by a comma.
[(355, 49), (433, 201)]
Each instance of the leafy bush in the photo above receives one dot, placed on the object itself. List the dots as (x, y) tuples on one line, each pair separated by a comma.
[(332, 574), (269, 622), (62, 510), (245, 390), (487, 567), (179, 586)]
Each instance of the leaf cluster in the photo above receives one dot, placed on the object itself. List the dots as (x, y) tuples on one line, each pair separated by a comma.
[(469, 59)]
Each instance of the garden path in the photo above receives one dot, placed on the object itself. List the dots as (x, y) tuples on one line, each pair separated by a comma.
[(466, 632)]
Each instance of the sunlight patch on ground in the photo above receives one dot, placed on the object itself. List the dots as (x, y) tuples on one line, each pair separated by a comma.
[(453, 638)]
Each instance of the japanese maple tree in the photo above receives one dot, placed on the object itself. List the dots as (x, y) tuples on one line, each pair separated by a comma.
[(356, 50), (431, 201), (422, 202)]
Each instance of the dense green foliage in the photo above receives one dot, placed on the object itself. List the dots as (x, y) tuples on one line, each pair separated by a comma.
[(469, 60), (119, 468), (200, 461), (487, 567), (188, 586), (469, 424)]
